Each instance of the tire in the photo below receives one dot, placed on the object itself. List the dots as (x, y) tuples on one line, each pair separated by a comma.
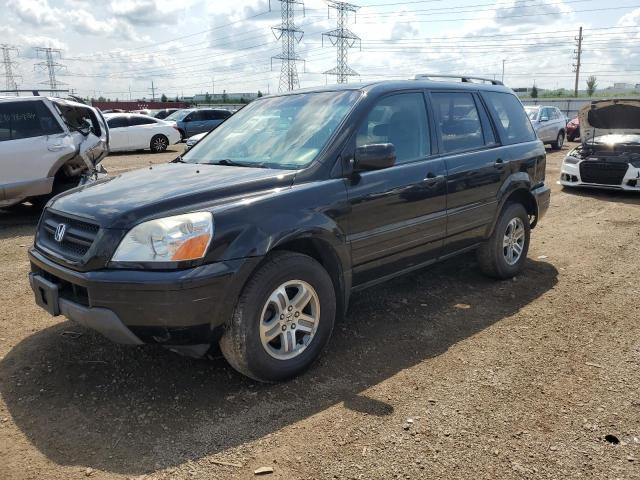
[(256, 314), (557, 145), (493, 254), (159, 143)]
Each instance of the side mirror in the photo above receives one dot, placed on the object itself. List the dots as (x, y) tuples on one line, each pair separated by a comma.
[(186, 119), (544, 119), (375, 156)]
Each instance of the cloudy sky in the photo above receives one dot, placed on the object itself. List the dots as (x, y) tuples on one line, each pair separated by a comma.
[(114, 47)]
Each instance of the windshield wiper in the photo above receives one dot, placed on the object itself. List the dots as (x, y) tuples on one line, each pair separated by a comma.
[(232, 163)]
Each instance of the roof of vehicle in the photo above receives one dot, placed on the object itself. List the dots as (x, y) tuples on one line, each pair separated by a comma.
[(392, 85), (34, 98), (127, 114)]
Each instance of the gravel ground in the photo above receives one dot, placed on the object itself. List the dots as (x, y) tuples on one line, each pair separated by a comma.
[(440, 374)]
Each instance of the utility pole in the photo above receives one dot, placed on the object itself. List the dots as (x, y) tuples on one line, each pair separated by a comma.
[(9, 76), (213, 85), (343, 39), (153, 92), (50, 65), (503, 60), (576, 66), (290, 36)]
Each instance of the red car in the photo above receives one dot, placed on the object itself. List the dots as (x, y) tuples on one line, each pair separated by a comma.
[(573, 129)]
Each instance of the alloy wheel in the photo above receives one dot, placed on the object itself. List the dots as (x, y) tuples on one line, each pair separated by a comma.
[(513, 241), (289, 319)]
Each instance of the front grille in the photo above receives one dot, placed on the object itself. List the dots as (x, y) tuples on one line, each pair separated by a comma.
[(78, 237), (604, 173)]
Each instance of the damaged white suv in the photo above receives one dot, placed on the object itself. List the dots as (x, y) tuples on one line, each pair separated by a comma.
[(609, 155), (48, 145)]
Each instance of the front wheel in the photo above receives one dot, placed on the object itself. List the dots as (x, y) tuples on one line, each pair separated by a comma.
[(504, 253), (159, 143), (283, 319)]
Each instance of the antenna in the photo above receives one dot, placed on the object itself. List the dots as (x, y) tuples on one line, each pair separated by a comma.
[(343, 39), (290, 36)]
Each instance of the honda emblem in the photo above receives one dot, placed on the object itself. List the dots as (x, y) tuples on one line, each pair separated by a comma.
[(60, 231)]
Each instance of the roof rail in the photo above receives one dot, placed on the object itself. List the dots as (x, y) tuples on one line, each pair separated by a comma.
[(462, 78), (35, 93)]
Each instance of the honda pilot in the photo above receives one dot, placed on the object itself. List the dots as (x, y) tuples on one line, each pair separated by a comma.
[(255, 239)]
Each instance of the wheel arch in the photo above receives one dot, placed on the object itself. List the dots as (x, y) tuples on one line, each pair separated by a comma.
[(516, 190)]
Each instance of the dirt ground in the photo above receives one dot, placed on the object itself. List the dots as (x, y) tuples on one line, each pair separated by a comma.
[(439, 374)]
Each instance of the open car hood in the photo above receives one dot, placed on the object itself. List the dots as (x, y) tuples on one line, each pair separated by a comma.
[(607, 117)]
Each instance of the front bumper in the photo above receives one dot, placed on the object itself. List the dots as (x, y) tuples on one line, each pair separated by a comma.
[(570, 177), (178, 307)]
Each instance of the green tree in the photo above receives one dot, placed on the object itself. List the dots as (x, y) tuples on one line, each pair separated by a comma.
[(259, 94), (225, 97), (207, 98), (534, 92), (102, 99), (592, 84), (163, 98)]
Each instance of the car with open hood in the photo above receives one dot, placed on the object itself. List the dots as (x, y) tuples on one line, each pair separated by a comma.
[(609, 153), (48, 145), (255, 238)]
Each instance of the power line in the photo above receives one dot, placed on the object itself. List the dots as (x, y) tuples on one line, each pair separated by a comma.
[(290, 36), (343, 39), (10, 77), (51, 66)]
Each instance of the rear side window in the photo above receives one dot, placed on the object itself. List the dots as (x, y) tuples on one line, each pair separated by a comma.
[(118, 122), (221, 114), (458, 121), (141, 121), (401, 120), (26, 120), (197, 116), (510, 118)]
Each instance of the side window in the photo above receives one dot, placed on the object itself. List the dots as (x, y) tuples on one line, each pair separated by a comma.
[(141, 121), (26, 120), (458, 121), (117, 122), (401, 120), (221, 114), (510, 118), (197, 116)]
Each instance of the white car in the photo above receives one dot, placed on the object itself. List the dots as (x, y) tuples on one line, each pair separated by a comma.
[(191, 141), (609, 153), (47, 146), (130, 131)]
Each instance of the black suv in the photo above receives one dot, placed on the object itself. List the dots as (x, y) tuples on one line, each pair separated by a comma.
[(256, 237)]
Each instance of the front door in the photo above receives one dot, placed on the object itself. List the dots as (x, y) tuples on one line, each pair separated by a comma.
[(397, 219)]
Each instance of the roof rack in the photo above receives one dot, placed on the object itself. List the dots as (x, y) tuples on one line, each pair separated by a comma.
[(462, 78), (35, 93)]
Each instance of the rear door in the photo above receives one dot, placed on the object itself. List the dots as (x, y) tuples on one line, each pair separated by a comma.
[(31, 140), (476, 166), (119, 133), (195, 123), (397, 219)]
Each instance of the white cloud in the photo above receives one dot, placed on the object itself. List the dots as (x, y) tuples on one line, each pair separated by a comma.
[(631, 19), (35, 12), (146, 12)]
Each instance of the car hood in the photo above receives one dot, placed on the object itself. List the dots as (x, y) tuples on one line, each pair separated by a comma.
[(604, 117), (125, 200)]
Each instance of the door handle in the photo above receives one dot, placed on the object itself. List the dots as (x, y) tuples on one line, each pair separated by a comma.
[(433, 178), (499, 163)]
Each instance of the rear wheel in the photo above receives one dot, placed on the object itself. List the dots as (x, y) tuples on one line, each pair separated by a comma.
[(504, 253), (159, 143), (557, 145), (283, 319)]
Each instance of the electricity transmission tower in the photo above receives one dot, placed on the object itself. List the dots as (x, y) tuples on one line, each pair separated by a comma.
[(343, 39), (290, 36), (50, 65), (9, 76), (578, 56)]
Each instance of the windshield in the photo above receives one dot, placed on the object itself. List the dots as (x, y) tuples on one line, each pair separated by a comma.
[(179, 115), (532, 112), (286, 132)]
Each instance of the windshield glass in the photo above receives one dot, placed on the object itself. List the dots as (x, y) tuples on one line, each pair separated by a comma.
[(532, 112), (179, 115), (285, 132)]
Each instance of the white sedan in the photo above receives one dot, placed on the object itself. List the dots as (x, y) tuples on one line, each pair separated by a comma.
[(130, 131)]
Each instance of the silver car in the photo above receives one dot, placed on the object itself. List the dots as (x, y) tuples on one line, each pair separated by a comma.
[(549, 123)]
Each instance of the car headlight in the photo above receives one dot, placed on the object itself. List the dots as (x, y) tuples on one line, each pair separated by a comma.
[(170, 239)]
